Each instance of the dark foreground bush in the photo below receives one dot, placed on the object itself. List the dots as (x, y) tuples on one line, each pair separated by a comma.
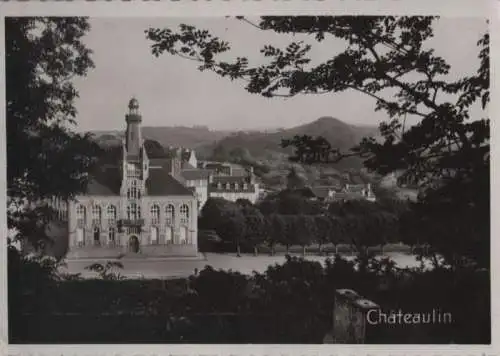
[(289, 303)]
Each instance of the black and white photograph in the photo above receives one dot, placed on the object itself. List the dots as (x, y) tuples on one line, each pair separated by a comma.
[(248, 179)]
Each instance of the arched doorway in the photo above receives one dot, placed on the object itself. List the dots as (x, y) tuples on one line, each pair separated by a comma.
[(133, 244)]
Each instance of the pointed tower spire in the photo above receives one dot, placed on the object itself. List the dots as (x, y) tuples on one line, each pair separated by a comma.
[(133, 134)]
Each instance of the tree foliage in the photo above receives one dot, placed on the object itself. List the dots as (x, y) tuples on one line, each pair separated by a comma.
[(255, 232), (107, 271), (276, 228), (289, 202), (45, 158), (287, 303), (386, 58)]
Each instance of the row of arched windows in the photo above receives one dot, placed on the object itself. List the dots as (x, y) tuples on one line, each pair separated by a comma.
[(81, 213), (133, 213), (170, 214)]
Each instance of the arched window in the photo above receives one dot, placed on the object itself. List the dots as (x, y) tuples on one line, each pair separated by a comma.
[(133, 192), (169, 214), (111, 235), (111, 215), (228, 186), (80, 215), (96, 215), (97, 235), (155, 214), (184, 214), (236, 186), (133, 212)]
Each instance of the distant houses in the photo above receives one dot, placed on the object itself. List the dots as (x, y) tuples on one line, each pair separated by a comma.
[(344, 193), (231, 181), (331, 191)]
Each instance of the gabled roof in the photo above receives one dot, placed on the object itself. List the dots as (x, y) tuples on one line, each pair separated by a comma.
[(188, 172), (160, 162), (104, 180), (239, 171), (216, 165), (95, 188), (179, 178), (195, 174), (230, 179), (161, 183)]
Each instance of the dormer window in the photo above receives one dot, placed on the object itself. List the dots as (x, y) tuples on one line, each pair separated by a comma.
[(236, 186), (219, 185), (228, 186), (245, 186)]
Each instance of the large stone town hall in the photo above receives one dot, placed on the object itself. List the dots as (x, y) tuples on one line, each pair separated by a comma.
[(141, 205), (135, 205)]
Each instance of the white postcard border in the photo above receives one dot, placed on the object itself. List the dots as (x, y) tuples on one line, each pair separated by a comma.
[(193, 8)]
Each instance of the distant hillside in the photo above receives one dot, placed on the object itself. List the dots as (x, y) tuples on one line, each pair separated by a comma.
[(267, 145), (258, 145), (188, 137)]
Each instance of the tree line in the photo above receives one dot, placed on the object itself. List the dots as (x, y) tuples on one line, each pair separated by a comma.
[(290, 219)]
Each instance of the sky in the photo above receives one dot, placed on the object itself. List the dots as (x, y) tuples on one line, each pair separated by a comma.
[(172, 92)]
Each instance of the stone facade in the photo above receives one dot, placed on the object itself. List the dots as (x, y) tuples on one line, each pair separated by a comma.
[(350, 324), (137, 206), (104, 222), (235, 187)]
